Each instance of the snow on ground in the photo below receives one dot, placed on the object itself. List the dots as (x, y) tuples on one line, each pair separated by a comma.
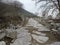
[(2, 43), (24, 37), (54, 43), (40, 39), (35, 24), (39, 33)]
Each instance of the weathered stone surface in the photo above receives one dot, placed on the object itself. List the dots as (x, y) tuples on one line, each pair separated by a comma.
[(39, 33), (40, 39), (11, 33), (35, 24), (30, 34), (23, 37), (2, 35), (2, 43), (54, 43)]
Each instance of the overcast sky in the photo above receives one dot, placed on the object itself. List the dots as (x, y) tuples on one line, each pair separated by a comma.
[(29, 5)]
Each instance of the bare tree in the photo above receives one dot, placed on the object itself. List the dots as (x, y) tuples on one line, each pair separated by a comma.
[(50, 4)]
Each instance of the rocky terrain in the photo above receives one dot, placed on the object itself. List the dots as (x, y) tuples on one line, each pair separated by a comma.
[(33, 33), (20, 27)]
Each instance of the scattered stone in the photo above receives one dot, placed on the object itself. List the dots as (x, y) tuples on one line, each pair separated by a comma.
[(12, 33), (54, 43), (32, 22), (2, 35), (2, 43), (42, 28), (54, 30), (23, 37), (40, 39), (39, 33), (36, 24)]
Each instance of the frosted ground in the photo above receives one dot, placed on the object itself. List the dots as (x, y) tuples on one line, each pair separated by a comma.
[(32, 34)]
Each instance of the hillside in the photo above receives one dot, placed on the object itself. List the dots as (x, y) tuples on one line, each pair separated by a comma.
[(13, 14)]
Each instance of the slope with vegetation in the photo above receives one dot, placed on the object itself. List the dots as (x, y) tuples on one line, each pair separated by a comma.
[(13, 13)]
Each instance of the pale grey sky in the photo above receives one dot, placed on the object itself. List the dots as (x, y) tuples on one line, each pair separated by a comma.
[(29, 5)]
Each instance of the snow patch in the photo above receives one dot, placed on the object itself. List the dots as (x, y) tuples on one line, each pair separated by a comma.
[(40, 39), (2, 43)]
